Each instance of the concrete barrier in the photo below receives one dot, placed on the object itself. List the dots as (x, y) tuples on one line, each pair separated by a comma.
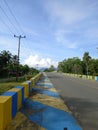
[(22, 91), (12, 100), (35, 79), (84, 76), (14, 97), (32, 82), (30, 85), (5, 111), (96, 78), (90, 77), (26, 89), (19, 96)]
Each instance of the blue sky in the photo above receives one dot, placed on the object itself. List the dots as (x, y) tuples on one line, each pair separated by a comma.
[(54, 29)]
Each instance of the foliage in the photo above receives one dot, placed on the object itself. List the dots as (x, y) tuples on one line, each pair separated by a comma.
[(52, 68), (77, 66), (86, 59), (9, 64)]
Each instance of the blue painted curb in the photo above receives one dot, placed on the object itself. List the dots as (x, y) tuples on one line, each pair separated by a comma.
[(45, 84), (48, 117), (46, 92)]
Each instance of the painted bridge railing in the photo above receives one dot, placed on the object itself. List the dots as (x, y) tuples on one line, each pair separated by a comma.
[(12, 100), (83, 76)]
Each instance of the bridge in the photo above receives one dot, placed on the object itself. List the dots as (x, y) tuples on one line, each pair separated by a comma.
[(52, 101)]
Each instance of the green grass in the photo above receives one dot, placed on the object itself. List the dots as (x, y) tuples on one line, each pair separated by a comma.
[(6, 86), (9, 83)]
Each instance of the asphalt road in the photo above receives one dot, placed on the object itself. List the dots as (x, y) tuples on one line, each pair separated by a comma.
[(81, 96)]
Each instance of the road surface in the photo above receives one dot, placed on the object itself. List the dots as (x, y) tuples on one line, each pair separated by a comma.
[(81, 96)]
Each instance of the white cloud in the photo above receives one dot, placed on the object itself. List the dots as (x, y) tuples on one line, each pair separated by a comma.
[(37, 61)]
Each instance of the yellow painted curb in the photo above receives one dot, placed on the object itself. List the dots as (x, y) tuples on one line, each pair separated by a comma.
[(50, 101), (21, 122)]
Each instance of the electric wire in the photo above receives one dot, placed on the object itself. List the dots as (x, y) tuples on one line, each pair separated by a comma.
[(13, 15), (15, 20), (7, 26), (8, 18), (26, 45)]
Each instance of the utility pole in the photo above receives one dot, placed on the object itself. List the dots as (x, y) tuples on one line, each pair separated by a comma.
[(19, 37)]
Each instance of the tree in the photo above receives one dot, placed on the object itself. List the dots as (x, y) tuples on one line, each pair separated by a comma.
[(5, 60), (61, 66), (93, 67), (26, 69), (77, 69), (86, 59), (71, 65), (5, 57), (52, 68), (33, 71), (13, 65), (9, 64)]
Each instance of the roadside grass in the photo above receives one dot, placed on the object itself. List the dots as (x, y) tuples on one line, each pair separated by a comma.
[(8, 85)]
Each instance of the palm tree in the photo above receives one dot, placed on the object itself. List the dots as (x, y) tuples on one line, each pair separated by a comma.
[(86, 59)]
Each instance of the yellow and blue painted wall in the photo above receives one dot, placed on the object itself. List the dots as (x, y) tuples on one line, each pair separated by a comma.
[(90, 77), (12, 100)]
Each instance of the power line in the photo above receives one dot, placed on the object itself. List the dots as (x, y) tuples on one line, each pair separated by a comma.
[(18, 25), (7, 26), (13, 15), (11, 12), (8, 18)]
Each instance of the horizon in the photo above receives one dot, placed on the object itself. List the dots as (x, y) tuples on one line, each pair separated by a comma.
[(55, 30)]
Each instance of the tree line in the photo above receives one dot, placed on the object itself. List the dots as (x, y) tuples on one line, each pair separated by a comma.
[(9, 64), (50, 69), (86, 66)]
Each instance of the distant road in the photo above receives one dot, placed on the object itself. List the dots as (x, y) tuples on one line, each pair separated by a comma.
[(81, 96)]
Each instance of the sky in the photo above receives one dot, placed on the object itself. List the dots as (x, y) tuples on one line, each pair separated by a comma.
[(55, 29)]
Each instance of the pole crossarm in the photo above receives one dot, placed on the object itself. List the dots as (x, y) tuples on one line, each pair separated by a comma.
[(20, 36)]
